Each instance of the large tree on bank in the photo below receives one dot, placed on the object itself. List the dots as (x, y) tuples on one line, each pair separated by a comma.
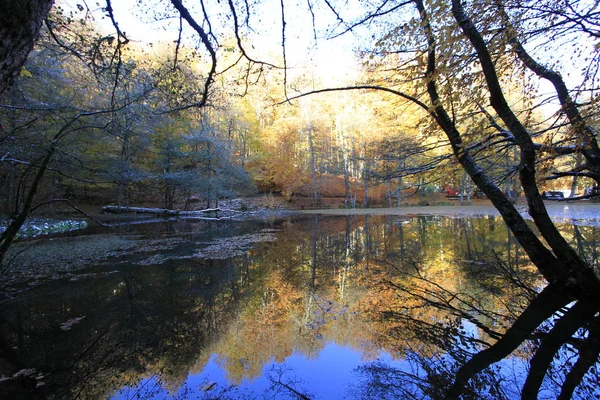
[(459, 58), (569, 276), (20, 24)]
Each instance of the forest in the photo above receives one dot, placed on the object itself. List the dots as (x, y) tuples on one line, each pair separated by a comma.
[(122, 135), (183, 105), (121, 119)]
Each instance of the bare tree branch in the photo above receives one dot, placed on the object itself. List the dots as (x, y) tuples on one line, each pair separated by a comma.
[(207, 45)]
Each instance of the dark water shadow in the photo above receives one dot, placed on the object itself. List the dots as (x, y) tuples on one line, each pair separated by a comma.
[(454, 300)]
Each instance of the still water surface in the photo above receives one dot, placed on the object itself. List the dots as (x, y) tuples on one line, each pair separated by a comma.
[(320, 307)]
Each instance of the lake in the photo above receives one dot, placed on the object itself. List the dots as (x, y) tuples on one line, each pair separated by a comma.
[(315, 306)]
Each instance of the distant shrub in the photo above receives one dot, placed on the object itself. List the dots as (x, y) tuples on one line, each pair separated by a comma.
[(39, 227), (426, 192)]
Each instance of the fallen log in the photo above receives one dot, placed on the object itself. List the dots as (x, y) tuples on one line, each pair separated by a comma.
[(158, 220), (156, 211)]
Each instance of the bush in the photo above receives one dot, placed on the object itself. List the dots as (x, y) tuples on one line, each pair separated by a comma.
[(37, 227), (426, 192)]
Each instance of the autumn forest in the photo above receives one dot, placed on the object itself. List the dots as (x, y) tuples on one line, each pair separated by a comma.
[(132, 118)]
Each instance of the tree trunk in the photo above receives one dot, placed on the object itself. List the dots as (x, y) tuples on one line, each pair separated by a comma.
[(465, 189), (169, 195), (347, 191), (345, 160), (365, 174), (399, 193), (9, 189), (355, 170), (20, 23), (365, 186), (574, 183), (188, 199), (119, 191), (347, 194), (8, 236), (313, 172), (560, 263)]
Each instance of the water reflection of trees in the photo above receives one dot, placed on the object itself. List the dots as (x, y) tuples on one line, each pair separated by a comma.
[(554, 331), (428, 290), (153, 320), (443, 298)]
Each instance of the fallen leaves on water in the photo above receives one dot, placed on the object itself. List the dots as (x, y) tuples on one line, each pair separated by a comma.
[(224, 248), (67, 325)]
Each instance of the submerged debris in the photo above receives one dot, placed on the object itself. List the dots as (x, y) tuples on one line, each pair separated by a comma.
[(67, 325), (32, 261), (224, 248), (154, 260), (25, 373)]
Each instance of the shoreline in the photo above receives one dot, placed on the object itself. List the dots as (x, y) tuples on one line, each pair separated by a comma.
[(559, 212)]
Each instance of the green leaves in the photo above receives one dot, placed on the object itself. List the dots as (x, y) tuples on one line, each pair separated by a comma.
[(25, 72)]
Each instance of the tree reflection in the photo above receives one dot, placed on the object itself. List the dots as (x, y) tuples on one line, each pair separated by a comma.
[(465, 317), (153, 320), (557, 333)]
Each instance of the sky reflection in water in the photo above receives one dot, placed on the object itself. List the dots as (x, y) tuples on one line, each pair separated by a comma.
[(330, 375), (309, 306)]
